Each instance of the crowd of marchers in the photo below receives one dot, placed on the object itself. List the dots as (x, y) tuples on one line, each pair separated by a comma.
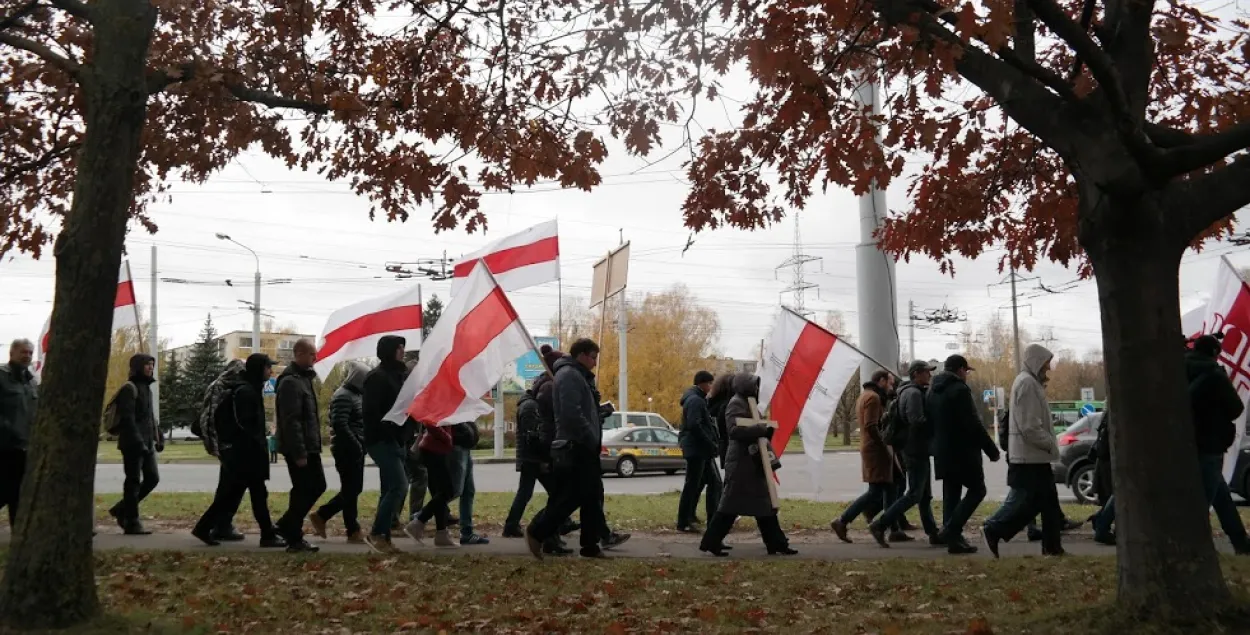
[(911, 431)]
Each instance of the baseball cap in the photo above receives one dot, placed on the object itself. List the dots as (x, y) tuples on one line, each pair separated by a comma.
[(957, 362), (919, 366)]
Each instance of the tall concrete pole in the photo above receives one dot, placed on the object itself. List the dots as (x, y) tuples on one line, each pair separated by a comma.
[(878, 307), (1015, 322), (911, 327), (622, 324), (153, 344)]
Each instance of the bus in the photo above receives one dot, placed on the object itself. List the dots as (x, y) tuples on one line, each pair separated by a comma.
[(1066, 413)]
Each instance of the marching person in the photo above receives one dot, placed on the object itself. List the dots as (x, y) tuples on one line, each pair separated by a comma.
[(915, 451), (877, 460), (239, 437), (575, 454), (19, 396), (1032, 447), (722, 391), (1216, 408), (746, 485), (347, 446), (699, 446), (384, 441), (138, 439), (1104, 519), (959, 439), (436, 444), (229, 380), (299, 435)]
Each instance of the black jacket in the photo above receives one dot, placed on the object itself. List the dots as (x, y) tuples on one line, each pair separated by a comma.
[(912, 410), (536, 426), (576, 406), (299, 421), (1214, 402), (347, 424), (698, 436), (19, 395), (716, 407), (959, 437), (137, 430), (243, 429), (382, 387)]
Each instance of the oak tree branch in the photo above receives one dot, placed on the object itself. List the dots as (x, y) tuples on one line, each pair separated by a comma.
[(1204, 150), (12, 19), (1211, 197), (43, 52), (158, 81), (75, 8)]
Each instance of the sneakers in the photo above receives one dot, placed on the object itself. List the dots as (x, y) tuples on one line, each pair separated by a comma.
[(416, 531), (556, 548), (318, 525), (442, 538), (991, 541), (782, 551), (272, 542), (381, 544), (959, 547), (474, 539), (356, 538), (232, 535), (839, 528), (597, 554)]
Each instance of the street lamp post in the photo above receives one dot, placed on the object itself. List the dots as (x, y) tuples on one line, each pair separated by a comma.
[(256, 297)]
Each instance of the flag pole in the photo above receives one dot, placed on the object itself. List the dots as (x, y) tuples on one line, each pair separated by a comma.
[(848, 344), (130, 277)]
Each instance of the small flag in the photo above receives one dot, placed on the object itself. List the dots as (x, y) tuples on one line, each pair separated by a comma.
[(525, 259)]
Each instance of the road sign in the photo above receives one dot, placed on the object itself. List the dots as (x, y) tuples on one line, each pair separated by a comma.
[(1087, 394), (269, 385), (988, 395), (1087, 410)]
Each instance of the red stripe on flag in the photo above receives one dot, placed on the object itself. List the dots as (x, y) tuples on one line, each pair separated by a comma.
[(802, 370), (474, 333), (400, 318), (506, 260), (125, 294)]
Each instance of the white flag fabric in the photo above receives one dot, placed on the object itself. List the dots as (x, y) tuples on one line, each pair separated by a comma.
[(352, 332), (524, 259), (1191, 322), (1228, 311), (123, 316), (477, 337), (803, 374)]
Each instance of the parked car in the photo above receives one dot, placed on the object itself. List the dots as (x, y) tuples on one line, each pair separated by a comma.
[(636, 420), (628, 451), (1074, 468)]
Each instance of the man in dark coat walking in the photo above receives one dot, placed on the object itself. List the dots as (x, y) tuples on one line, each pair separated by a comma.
[(139, 439), (19, 395), (1216, 408), (699, 446), (959, 438), (241, 443), (384, 441), (299, 435)]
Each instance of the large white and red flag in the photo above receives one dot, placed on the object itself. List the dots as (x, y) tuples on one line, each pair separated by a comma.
[(125, 315), (353, 331), (804, 371), (466, 354), (524, 259), (1228, 312)]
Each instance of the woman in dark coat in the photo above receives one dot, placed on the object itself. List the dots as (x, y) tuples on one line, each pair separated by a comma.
[(746, 487), (717, 399)]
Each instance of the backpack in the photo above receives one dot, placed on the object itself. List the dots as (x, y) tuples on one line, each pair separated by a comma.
[(205, 425), (893, 426), (111, 420)]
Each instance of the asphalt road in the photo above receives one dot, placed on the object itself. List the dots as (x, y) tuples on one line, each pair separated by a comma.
[(839, 479)]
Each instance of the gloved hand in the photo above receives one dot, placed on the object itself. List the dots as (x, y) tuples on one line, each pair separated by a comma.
[(769, 431)]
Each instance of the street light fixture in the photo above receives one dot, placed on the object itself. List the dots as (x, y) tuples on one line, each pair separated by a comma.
[(256, 300)]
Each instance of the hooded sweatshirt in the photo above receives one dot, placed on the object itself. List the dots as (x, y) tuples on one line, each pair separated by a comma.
[(1031, 439), (381, 388), (138, 431), (241, 422), (347, 416)]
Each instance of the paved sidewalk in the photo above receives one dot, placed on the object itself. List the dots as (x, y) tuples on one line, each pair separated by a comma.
[(746, 546)]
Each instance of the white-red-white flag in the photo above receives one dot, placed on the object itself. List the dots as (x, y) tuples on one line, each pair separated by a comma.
[(524, 259), (803, 374), (353, 331), (466, 354), (124, 315), (1228, 312)]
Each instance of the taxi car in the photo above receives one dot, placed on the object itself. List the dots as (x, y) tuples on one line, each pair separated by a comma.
[(628, 451)]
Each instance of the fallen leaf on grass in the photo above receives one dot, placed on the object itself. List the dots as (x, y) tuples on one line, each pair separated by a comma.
[(979, 626), (706, 613), (1015, 595)]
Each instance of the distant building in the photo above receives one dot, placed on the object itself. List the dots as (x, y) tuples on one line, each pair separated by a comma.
[(238, 345), (722, 365)]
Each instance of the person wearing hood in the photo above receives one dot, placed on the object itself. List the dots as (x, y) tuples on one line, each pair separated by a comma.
[(383, 440), (699, 447), (19, 396), (875, 456), (533, 456), (746, 485), (138, 439), (1031, 448), (1216, 409), (575, 453), (347, 446), (722, 391), (229, 380), (299, 435), (241, 427), (959, 439)]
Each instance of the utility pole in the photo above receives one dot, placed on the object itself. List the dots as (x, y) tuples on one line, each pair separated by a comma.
[(622, 325), (153, 345), (1012, 279), (878, 308), (911, 328)]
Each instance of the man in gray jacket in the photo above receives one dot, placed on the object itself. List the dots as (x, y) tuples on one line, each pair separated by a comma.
[(575, 453), (19, 395), (1030, 450), (919, 434)]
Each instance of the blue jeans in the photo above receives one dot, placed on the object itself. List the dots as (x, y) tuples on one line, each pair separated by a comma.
[(389, 457), (1221, 499), (1105, 518), (919, 492), (879, 493), (467, 492)]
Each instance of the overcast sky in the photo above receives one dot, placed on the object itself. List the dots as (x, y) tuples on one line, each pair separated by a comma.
[(317, 234)]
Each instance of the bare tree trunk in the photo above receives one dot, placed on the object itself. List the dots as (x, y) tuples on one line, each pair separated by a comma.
[(50, 581), (1168, 565)]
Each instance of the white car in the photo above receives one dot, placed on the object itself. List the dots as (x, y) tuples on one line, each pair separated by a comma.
[(636, 420)]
